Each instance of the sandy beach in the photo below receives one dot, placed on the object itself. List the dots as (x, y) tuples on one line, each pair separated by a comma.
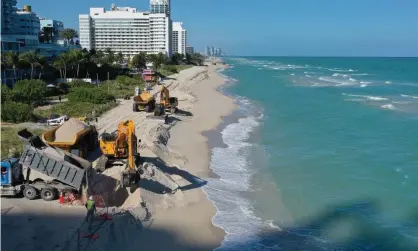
[(176, 220)]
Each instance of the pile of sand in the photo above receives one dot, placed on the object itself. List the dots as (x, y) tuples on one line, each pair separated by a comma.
[(67, 131)]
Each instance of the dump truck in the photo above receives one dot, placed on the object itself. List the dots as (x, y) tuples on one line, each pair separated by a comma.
[(143, 101), (73, 136), (42, 170)]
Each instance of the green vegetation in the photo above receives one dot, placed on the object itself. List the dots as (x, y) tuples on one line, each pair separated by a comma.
[(11, 144), (90, 95), (76, 109), (16, 112)]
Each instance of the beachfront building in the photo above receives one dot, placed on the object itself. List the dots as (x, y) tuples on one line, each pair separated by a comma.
[(8, 11), (27, 22), (189, 49), (126, 30), (160, 7), (179, 38)]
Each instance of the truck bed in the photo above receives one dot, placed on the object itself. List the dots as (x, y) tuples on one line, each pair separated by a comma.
[(53, 162)]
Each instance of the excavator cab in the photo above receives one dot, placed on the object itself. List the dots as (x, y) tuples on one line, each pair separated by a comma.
[(169, 103), (122, 145)]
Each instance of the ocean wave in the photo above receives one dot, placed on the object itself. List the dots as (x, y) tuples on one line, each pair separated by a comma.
[(340, 70), (338, 82), (339, 74), (374, 98), (388, 82), (234, 213), (388, 106), (363, 85), (352, 80), (365, 82), (409, 96)]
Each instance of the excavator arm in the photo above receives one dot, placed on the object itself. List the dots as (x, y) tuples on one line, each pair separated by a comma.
[(164, 95)]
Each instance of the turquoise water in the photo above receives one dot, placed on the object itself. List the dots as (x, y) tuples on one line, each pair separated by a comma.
[(326, 150)]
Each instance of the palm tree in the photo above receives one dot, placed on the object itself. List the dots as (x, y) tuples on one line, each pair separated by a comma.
[(33, 58), (68, 34), (11, 59), (139, 61), (188, 58), (58, 64), (119, 58), (62, 62), (47, 33), (110, 56), (78, 57), (157, 60)]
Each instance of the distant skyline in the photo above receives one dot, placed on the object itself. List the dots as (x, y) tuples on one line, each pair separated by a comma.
[(280, 28)]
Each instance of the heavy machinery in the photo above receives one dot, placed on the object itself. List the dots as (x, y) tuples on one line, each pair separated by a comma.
[(42, 169), (73, 136), (169, 103), (121, 146), (143, 101)]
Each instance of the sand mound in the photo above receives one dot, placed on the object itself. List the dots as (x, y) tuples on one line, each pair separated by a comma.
[(67, 131)]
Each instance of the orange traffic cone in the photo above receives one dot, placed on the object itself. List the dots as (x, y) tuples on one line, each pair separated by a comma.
[(61, 200)]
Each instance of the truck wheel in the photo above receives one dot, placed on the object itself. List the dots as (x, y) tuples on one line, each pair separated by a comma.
[(134, 108), (30, 192), (48, 194), (148, 108)]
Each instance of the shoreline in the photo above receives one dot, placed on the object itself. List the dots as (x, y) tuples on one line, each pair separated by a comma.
[(209, 112)]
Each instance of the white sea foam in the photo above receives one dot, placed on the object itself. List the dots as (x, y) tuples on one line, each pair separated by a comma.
[(234, 213), (366, 97), (409, 96), (363, 85), (352, 79), (338, 82), (292, 74), (365, 82), (388, 106), (388, 82)]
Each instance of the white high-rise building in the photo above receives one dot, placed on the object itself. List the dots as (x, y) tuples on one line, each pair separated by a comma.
[(160, 7), (179, 38), (126, 30)]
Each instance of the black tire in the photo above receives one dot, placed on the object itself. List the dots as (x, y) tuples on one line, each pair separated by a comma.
[(30, 193), (148, 108), (48, 194), (134, 107)]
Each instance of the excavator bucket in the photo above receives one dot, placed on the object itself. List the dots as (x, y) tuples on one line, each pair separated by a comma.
[(129, 178)]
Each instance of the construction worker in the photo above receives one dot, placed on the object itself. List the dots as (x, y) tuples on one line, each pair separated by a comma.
[(91, 209)]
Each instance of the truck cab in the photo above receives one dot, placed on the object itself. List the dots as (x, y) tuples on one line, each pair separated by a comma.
[(11, 175)]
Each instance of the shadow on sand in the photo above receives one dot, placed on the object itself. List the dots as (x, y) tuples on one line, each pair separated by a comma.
[(181, 112), (195, 182), (43, 232)]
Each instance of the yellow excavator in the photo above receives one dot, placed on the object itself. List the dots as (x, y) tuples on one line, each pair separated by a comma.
[(143, 101), (167, 103), (121, 146)]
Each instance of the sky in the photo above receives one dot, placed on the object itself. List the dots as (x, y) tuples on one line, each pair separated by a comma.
[(277, 27)]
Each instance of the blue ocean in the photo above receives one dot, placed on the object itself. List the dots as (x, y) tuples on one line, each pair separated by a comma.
[(322, 154)]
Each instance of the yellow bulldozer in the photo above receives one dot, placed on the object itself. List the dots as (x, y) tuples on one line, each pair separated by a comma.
[(118, 148), (143, 101)]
